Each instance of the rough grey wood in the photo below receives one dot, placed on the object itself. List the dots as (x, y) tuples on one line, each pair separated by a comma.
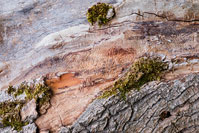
[(143, 110)]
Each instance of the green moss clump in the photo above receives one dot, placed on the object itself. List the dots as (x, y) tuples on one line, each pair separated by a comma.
[(98, 13), (10, 111), (39, 92), (142, 71), (42, 95), (11, 90), (20, 90), (10, 114), (110, 92)]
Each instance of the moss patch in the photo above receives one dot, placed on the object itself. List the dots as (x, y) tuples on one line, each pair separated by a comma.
[(41, 93), (11, 90), (10, 110), (142, 71), (10, 114), (98, 13)]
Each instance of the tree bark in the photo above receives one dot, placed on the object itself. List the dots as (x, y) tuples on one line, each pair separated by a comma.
[(166, 107)]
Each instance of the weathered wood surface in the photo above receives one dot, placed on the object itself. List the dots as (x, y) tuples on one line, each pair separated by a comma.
[(42, 38), (159, 107)]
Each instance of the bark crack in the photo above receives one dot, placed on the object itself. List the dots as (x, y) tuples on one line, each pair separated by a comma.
[(165, 17)]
